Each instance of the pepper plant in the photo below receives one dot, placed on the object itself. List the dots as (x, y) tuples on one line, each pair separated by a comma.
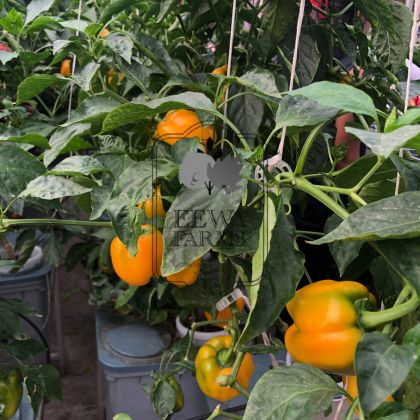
[(91, 139)]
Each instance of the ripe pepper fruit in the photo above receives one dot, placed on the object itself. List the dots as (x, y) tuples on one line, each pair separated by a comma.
[(65, 69), (10, 394), (220, 70), (104, 33), (187, 276), (138, 270), (154, 205), (209, 365), (182, 124), (225, 314), (325, 331)]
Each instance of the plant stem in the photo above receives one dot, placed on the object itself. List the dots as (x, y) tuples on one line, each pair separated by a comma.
[(352, 408), (304, 185), (242, 390), (371, 172), (6, 223), (219, 412), (307, 146), (368, 319), (196, 325)]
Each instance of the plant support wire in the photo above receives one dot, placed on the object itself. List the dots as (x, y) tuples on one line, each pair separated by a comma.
[(414, 30)]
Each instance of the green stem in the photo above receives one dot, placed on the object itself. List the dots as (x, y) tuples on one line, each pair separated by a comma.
[(369, 320), (219, 412), (352, 408), (357, 199), (370, 173), (6, 223), (45, 107), (196, 325), (242, 390), (307, 146), (309, 232), (304, 185), (343, 11)]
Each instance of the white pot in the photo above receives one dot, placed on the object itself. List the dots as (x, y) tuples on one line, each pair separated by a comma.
[(33, 262), (200, 337)]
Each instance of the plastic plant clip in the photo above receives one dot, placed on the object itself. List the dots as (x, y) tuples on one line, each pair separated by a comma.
[(273, 164), (229, 299)]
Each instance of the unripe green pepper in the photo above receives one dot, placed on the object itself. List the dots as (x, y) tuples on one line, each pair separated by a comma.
[(10, 394)]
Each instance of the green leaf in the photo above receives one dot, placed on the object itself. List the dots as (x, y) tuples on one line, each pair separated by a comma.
[(76, 165), (392, 49), (155, 51), (120, 45), (309, 58), (136, 72), (84, 78), (390, 411), (261, 81), (131, 113), (6, 56), (163, 398), (246, 112), (402, 256), (77, 25), (410, 172), (12, 22), (337, 95), (269, 293), (51, 187), (351, 175), (42, 22), (113, 8), (412, 116), (241, 235), (42, 380), (24, 349), (412, 337), (343, 252), (390, 218), (100, 197), (62, 138), (35, 8), (387, 282), (165, 7), (194, 223), (17, 169), (278, 19), (377, 13), (381, 367), (94, 108), (125, 296), (34, 85), (25, 244), (135, 185), (298, 111), (291, 393), (384, 144), (29, 138)]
